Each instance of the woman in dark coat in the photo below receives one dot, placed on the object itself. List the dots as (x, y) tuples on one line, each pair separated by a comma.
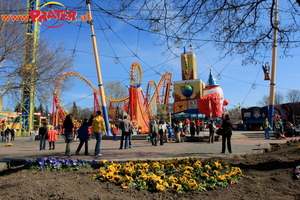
[(68, 126), (227, 127)]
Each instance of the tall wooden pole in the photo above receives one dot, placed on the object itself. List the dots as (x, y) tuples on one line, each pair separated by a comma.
[(97, 60), (273, 70)]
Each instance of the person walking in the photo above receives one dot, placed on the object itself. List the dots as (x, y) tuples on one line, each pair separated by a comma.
[(68, 128), (266, 128), (43, 135), (226, 137), (170, 131), (125, 127), (198, 125), (98, 127), (187, 126), (212, 129), (52, 137), (83, 135)]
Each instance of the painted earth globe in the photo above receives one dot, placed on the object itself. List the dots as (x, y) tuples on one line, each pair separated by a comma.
[(187, 90)]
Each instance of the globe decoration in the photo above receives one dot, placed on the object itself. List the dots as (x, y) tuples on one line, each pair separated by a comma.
[(187, 90)]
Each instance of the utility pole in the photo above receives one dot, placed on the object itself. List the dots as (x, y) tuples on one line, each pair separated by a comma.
[(28, 70), (273, 70), (97, 60)]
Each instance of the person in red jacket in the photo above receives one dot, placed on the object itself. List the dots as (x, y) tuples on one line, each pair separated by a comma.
[(52, 137)]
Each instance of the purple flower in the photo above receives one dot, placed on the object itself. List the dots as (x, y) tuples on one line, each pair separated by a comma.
[(297, 172)]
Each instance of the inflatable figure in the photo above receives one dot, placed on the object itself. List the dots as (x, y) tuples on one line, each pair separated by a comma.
[(266, 69)]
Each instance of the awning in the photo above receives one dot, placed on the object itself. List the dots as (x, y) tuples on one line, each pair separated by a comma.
[(252, 121)]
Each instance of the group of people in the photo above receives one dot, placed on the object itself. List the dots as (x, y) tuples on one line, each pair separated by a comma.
[(7, 133), (280, 130), (160, 130)]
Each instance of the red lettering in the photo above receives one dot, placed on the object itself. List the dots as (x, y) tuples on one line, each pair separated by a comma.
[(34, 14), (24, 17), (5, 17), (58, 14), (64, 15), (51, 14), (72, 15), (15, 18), (43, 16)]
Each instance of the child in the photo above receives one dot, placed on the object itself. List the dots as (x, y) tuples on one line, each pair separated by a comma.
[(115, 131)]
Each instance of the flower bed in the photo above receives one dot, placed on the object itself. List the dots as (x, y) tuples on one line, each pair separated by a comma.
[(57, 164), (180, 175)]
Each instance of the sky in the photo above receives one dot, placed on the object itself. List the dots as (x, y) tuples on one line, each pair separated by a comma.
[(242, 85)]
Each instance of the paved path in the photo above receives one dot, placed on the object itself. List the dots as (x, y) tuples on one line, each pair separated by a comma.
[(142, 150)]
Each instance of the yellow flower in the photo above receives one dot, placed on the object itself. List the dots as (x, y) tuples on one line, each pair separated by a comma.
[(104, 162), (187, 173), (221, 177), (207, 166), (160, 187), (128, 178), (118, 179), (232, 181), (166, 184), (193, 186), (192, 181), (218, 165), (183, 179), (189, 168), (176, 187), (110, 176), (143, 176), (205, 174), (125, 185), (212, 178), (173, 179), (129, 164), (118, 166), (198, 163), (215, 172)]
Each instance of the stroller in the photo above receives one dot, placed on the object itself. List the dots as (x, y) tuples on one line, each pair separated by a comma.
[(182, 137)]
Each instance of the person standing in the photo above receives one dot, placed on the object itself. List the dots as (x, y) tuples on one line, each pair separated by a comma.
[(154, 133), (162, 130), (98, 127), (52, 137), (68, 127), (43, 135), (177, 132), (212, 129), (192, 129), (115, 131), (83, 135), (198, 125), (187, 126), (266, 128), (125, 127), (227, 127), (170, 131)]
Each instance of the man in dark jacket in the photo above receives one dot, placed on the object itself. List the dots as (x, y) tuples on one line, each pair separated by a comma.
[(125, 127), (43, 136)]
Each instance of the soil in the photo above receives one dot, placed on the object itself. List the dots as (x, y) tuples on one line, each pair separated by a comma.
[(266, 176)]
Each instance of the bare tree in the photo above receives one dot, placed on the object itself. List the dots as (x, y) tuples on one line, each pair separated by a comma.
[(235, 27), (114, 89), (293, 96), (52, 59), (279, 99)]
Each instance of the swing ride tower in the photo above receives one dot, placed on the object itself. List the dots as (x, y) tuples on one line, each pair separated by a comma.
[(28, 71)]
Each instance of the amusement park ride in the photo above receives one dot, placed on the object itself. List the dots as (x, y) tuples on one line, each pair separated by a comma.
[(191, 95), (140, 106)]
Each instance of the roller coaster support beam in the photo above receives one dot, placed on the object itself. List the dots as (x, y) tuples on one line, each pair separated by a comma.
[(97, 60)]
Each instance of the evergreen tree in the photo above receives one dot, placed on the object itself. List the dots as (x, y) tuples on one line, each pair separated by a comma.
[(74, 111)]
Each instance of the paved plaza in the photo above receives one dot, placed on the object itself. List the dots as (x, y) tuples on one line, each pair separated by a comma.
[(142, 149)]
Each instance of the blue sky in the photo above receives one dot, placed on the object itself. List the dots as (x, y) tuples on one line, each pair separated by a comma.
[(125, 42)]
